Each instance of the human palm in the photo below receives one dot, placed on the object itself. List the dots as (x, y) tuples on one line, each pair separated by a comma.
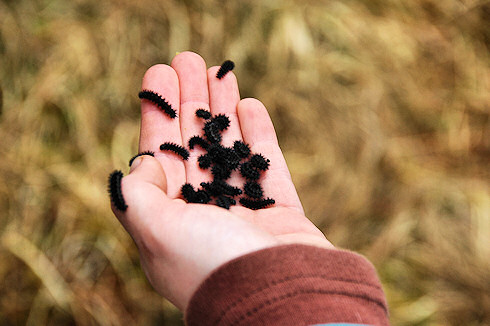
[(180, 244)]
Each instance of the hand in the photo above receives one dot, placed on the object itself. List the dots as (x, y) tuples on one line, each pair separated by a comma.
[(180, 244)]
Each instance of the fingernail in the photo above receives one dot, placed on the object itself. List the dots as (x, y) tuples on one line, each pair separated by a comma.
[(136, 162)]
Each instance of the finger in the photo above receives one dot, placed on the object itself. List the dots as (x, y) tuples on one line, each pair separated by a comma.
[(158, 128), (223, 99), (193, 82), (151, 172), (258, 132)]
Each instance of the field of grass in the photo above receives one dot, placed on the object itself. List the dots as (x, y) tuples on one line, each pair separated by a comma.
[(382, 109)]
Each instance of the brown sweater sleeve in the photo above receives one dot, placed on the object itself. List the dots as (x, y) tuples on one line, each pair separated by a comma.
[(290, 285)]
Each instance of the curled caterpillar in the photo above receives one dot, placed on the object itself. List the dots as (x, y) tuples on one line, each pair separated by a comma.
[(255, 204), (227, 66), (212, 132), (259, 162), (253, 189), (158, 100), (221, 121), (139, 154), (221, 171), (194, 196), (187, 191), (177, 149), (232, 159), (115, 190), (201, 197), (241, 149), (216, 152), (197, 140), (223, 155), (249, 172), (204, 161)]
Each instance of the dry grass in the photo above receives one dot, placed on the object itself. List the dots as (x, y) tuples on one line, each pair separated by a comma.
[(381, 107)]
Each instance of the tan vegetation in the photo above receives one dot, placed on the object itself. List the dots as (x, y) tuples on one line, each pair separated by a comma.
[(381, 108)]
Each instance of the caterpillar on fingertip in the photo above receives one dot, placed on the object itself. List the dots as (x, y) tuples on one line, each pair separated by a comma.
[(226, 67)]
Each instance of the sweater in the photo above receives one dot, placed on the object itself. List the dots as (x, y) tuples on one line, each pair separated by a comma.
[(290, 285)]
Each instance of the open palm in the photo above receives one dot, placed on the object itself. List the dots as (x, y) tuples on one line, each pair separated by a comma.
[(180, 244)]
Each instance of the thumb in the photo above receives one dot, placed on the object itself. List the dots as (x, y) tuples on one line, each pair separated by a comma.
[(146, 168), (143, 192)]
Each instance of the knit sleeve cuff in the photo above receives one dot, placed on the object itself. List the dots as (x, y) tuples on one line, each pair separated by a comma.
[(290, 285)]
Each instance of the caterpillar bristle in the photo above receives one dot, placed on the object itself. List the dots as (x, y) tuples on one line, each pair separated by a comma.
[(158, 100), (226, 67), (115, 190), (255, 204), (140, 154), (177, 149)]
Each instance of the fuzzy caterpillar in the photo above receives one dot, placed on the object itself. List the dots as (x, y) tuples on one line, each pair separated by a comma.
[(158, 100)]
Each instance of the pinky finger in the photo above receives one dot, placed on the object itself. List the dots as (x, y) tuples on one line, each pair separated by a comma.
[(259, 133)]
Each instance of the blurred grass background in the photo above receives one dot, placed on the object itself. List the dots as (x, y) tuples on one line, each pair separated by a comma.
[(381, 109)]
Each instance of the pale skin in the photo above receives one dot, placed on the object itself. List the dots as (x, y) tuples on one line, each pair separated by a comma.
[(180, 244)]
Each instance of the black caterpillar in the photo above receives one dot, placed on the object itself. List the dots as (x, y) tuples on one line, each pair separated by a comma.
[(220, 187), (198, 140), (226, 67), (225, 201), (241, 149), (253, 189), (115, 191), (192, 196), (204, 114), (221, 121), (249, 172), (177, 149), (158, 100), (256, 203), (139, 154), (259, 162)]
